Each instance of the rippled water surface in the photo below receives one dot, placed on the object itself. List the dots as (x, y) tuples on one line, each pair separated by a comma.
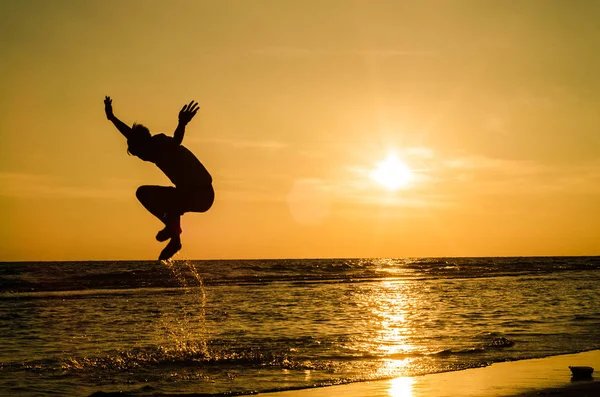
[(219, 327)]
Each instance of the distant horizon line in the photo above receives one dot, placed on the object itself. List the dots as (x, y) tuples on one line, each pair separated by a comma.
[(304, 258)]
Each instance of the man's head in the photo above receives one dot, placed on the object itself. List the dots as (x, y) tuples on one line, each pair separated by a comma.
[(138, 140)]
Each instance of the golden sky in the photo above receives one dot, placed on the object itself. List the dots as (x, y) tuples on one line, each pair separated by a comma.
[(493, 106)]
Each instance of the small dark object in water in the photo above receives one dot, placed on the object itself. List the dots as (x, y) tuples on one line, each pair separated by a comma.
[(581, 372)]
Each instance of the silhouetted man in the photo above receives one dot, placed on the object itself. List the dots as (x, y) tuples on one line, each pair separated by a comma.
[(193, 191)]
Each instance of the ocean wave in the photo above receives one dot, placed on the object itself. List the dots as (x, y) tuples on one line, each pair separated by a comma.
[(148, 391), (194, 354), (37, 276), (495, 344)]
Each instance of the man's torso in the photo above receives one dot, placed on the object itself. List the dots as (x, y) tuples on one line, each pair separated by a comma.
[(178, 163)]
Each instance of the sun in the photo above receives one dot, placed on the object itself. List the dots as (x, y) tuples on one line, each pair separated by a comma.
[(392, 173)]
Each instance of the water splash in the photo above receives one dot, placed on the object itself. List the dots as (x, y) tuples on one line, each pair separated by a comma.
[(182, 331), (180, 326)]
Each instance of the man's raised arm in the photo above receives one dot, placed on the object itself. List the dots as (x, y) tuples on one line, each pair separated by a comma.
[(121, 126), (186, 114)]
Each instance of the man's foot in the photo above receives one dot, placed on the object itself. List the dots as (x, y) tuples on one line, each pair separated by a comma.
[(171, 249), (167, 233), (172, 229)]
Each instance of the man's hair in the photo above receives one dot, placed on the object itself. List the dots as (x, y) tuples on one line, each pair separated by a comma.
[(138, 134), (139, 131)]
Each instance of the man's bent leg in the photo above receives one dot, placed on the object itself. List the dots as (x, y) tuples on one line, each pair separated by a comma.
[(196, 199), (162, 202)]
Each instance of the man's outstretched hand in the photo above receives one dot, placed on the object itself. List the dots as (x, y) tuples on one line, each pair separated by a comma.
[(108, 107), (188, 112)]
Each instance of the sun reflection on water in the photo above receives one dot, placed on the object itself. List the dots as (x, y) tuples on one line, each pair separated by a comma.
[(390, 368), (401, 387), (392, 305), (391, 308)]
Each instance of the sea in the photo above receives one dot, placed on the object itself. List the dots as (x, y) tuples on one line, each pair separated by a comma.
[(239, 327)]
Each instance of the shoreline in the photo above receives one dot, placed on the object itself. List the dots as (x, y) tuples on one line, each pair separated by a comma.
[(548, 376)]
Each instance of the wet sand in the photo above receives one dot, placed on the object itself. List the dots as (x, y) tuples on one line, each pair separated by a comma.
[(587, 389), (548, 376)]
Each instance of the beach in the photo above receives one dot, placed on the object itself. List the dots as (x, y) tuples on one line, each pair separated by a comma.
[(548, 376)]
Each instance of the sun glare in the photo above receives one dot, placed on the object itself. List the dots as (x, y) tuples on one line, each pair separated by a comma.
[(401, 387), (392, 173)]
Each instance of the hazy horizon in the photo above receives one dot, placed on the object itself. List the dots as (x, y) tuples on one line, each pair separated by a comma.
[(492, 107)]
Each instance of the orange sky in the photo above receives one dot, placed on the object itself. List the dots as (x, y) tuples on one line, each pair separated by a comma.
[(492, 105)]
